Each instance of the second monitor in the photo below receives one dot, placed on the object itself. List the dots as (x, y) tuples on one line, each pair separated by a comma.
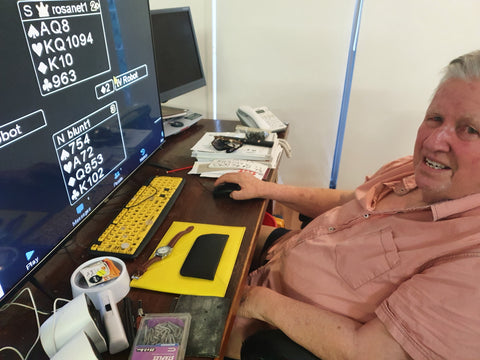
[(177, 58)]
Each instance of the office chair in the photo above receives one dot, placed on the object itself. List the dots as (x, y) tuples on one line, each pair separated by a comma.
[(273, 345), (305, 220)]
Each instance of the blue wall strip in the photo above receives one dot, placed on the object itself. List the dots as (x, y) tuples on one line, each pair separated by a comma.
[(346, 94)]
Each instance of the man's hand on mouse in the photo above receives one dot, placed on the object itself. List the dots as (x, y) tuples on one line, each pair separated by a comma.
[(251, 187)]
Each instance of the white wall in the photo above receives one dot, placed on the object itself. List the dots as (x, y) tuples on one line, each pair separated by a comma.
[(402, 48), (292, 57)]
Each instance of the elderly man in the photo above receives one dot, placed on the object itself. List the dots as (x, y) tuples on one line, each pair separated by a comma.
[(392, 269)]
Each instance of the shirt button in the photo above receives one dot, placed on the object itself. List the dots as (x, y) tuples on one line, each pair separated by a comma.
[(366, 216), (331, 228)]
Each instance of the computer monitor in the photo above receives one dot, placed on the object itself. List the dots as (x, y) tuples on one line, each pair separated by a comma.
[(79, 113), (178, 62)]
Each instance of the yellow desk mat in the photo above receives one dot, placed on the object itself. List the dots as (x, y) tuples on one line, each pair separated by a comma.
[(164, 275)]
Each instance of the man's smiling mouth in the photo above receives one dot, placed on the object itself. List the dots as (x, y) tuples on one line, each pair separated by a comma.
[(435, 165)]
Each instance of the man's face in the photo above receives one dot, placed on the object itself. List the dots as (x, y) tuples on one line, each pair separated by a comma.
[(447, 148)]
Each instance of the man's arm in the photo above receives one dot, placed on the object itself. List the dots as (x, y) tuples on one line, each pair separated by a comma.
[(325, 334), (308, 201)]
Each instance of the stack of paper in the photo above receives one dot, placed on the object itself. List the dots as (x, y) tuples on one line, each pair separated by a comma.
[(252, 158)]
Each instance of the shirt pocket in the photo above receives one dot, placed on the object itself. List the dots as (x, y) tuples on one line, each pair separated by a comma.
[(366, 257)]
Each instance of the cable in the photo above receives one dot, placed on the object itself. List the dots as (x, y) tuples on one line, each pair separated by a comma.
[(6, 306), (26, 307), (14, 350), (149, 186), (37, 312)]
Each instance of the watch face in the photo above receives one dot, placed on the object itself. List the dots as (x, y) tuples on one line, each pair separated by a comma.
[(163, 251)]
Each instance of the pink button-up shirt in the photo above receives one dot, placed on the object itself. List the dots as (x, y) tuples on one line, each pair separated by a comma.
[(416, 269)]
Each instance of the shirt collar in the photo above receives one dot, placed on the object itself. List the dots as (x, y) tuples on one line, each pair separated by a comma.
[(373, 195), (448, 208), (440, 210), (403, 186)]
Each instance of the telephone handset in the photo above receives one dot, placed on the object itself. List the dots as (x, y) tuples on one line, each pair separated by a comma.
[(261, 118)]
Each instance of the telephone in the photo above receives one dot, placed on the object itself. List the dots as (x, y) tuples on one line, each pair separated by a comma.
[(261, 118)]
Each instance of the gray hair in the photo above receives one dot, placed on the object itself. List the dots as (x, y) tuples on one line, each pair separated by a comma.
[(465, 67)]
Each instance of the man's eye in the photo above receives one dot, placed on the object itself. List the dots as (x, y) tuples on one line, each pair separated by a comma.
[(471, 130), (434, 120), (468, 133)]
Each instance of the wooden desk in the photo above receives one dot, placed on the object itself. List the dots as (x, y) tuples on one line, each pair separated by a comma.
[(195, 204)]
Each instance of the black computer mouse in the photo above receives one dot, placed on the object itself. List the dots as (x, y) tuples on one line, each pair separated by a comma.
[(176, 123), (224, 189)]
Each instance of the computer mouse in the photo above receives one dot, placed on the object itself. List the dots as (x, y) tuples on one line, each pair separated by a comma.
[(176, 123), (224, 189)]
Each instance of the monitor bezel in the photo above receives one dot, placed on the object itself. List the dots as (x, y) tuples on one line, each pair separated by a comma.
[(16, 289), (192, 85)]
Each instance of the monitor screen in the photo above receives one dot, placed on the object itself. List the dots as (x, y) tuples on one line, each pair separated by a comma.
[(79, 113), (178, 62)]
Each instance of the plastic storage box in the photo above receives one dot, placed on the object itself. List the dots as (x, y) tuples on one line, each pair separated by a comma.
[(162, 336)]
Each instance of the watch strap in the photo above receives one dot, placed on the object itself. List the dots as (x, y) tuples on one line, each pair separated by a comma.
[(179, 235), (142, 268)]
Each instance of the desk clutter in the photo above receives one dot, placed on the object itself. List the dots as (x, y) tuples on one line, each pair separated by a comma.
[(194, 329), (200, 264), (161, 336), (194, 260), (75, 331), (91, 324), (98, 285), (246, 149)]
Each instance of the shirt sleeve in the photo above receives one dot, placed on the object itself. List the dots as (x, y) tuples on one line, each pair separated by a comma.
[(436, 313)]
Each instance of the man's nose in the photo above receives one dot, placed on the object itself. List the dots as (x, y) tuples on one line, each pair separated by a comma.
[(440, 139)]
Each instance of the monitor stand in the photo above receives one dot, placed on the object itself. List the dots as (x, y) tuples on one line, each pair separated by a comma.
[(172, 112), (175, 125)]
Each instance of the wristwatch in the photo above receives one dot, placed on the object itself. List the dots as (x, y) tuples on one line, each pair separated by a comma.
[(161, 253)]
